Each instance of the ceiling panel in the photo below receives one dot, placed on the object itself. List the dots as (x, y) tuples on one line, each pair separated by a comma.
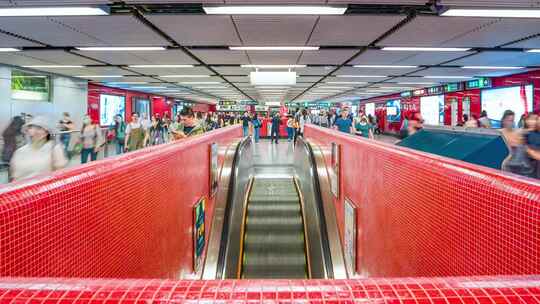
[(527, 44), (274, 57), (465, 72), (197, 29), (92, 71), (326, 56), (19, 59), (222, 56), (374, 57), (10, 41), (135, 79), (200, 70), (317, 71), (307, 79), (424, 82), (238, 79), (274, 30), (491, 3), (83, 31), (51, 2), (351, 29), (501, 59), (363, 72), (58, 57), (142, 57), (233, 70)]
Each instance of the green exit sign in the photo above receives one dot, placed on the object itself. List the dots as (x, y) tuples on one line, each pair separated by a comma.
[(453, 87), (478, 83)]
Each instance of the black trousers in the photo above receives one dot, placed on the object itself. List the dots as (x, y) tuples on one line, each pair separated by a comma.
[(274, 135)]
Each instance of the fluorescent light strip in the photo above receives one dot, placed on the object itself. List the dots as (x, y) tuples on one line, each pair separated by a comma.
[(53, 66), (122, 48), (360, 76), (386, 66), (492, 67), (149, 66), (52, 11), (448, 77), (211, 87), (100, 76), (127, 82), (425, 49), (495, 13), (414, 83), (7, 49), (533, 51), (273, 66), (200, 82), (184, 76), (275, 10), (274, 48), (331, 87), (149, 87)]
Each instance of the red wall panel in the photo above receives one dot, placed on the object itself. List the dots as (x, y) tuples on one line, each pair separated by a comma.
[(424, 215), (478, 290), (123, 217)]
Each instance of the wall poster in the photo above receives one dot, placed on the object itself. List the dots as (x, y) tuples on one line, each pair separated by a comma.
[(199, 234), (334, 173), (350, 236), (214, 169)]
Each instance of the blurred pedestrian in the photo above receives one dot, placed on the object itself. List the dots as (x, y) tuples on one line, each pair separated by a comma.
[(66, 127), (484, 121), (290, 127), (119, 133), (344, 123), (256, 122), (274, 133), (41, 155), (154, 135), (533, 145), (91, 140), (518, 160), (13, 138), (363, 128), (135, 134), (471, 122), (245, 124)]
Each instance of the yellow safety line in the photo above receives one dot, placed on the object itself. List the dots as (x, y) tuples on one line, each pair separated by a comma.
[(242, 231), (306, 240)]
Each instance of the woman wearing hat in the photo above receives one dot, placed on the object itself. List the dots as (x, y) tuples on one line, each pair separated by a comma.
[(41, 155)]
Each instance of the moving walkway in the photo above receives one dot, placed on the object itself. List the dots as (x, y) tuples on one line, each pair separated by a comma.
[(274, 216)]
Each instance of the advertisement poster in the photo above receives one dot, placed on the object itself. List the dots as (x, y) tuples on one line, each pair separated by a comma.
[(350, 236), (518, 99), (198, 234), (334, 173), (110, 106), (370, 109), (432, 109), (393, 110), (214, 174)]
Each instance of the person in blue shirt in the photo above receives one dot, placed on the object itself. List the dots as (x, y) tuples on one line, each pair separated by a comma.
[(344, 123), (256, 127), (245, 124)]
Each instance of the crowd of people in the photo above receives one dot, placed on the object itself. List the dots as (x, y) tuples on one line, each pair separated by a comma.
[(361, 125), (36, 145)]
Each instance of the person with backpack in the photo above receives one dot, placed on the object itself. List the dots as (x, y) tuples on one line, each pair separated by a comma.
[(91, 140), (119, 133), (41, 154)]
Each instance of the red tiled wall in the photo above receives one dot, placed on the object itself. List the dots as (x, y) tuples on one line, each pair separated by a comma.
[(423, 215), (123, 217), (478, 290)]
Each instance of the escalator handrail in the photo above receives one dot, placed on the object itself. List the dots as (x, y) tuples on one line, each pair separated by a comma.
[(243, 230), (333, 256), (306, 239)]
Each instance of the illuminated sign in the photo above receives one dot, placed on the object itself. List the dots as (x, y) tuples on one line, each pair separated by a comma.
[(453, 87), (419, 92), (406, 94), (435, 90), (249, 102), (479, 83)]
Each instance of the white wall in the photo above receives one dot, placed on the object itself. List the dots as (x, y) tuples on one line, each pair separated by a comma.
[(68, 95)]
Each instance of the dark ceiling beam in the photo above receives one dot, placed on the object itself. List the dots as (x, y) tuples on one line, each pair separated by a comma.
[(136, 11)]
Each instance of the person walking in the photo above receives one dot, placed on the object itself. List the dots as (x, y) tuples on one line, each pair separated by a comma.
[(135, 134), (91, 140), (363, 128), (518, 160), (276, 122), (245, 124), (256, 122), (13, 139), (119, 129), (66, 126), (344, 123), (41, 155), (290, 128)]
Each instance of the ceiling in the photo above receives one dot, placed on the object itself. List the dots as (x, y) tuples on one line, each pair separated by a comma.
[(202, 41)]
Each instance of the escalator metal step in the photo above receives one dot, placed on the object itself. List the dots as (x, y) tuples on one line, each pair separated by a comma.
[(274, 233)]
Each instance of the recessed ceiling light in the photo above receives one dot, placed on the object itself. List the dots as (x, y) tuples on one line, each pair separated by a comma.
[(492, 67), (492, 12), (52, 66), (275, 10), (273, 66), (425, 49), (100, 76), (145, 66), (448, 77), (386, 66), (184, 76), (273, 48), (122, 48), (360, 76), (533, 51), (52, 11)]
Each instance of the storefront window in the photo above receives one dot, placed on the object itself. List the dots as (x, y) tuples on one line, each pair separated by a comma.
[(30, 86)]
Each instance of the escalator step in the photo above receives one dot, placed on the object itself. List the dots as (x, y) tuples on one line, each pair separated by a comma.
[(273, 242), (279, 223), (259, 210)]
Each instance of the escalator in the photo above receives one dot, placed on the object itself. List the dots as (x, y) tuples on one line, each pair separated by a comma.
[(274, 216), (274, 244)]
